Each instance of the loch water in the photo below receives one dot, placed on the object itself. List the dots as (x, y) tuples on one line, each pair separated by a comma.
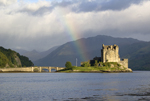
[(75, 86)]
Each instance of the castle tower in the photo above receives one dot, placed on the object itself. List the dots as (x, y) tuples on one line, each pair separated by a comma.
[(110, 53)]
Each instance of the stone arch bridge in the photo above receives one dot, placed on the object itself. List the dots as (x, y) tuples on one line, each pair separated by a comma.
[(29, 69)]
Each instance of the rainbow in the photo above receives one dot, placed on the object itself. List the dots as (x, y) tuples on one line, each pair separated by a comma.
[(71, 30)]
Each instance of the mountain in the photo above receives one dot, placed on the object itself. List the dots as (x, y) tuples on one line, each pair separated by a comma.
[(89, 48), (20, 51), (10, 58), (45, 53), (138, 55), (35, 55)]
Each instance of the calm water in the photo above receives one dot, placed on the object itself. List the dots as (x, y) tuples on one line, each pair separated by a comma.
[(75, 86)]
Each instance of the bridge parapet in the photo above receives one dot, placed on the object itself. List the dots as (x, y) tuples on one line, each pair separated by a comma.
[(24, 69), (29, 69)]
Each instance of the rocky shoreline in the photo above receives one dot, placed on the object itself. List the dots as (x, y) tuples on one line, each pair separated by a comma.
[(79, 71)]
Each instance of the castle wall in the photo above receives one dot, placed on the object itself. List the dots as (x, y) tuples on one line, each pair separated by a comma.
[(124, 63)]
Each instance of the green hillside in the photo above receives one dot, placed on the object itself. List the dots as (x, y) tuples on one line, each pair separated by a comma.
[(10, 58), (138, 55), (4, 60)]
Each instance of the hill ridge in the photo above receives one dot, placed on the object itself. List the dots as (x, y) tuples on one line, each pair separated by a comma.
[(93, 47)]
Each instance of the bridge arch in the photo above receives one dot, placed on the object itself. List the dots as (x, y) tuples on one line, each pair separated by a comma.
[(39, 69)]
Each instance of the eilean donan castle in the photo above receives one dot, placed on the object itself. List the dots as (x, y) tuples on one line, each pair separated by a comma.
[(109, 53)]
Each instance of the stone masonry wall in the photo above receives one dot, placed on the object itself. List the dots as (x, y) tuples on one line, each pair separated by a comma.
[(124, 63), (110, 53)]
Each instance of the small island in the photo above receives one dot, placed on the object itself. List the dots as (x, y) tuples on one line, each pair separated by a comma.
[(109, 62)]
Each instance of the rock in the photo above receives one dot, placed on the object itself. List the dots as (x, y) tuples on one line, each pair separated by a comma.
[(75, 70), (121, 67), (129, 70), (112, 66)]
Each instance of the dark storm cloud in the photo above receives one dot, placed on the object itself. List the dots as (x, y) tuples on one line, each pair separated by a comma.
[(98, 5), (87, 7), (118, 4)]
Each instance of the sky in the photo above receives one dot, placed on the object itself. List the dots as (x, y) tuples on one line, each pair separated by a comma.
[(42, 24)]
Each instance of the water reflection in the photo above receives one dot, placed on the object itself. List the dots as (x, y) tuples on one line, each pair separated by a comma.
[(46, 70)]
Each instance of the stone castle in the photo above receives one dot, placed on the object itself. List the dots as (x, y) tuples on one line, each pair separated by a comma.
[(109, 53)]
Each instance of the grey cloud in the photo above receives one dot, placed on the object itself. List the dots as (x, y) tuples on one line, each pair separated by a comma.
[(42, 10), (118, 4), (98, 5), (7, 2), (1, 4), (39, 12), (64, 3), (40, 43), (85, 6)]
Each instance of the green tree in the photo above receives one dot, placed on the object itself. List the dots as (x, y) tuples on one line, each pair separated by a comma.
[(25, 61), (68, 65)]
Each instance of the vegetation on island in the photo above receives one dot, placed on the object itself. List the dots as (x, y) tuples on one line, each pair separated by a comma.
[(10, 58), (98, 67)]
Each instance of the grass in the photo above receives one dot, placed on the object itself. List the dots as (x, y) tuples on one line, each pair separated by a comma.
[(87, 69), (107, 67)]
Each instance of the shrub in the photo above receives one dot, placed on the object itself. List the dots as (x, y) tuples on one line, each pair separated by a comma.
[(107, 64), (118, 65), (96, 64), (85, 64)]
